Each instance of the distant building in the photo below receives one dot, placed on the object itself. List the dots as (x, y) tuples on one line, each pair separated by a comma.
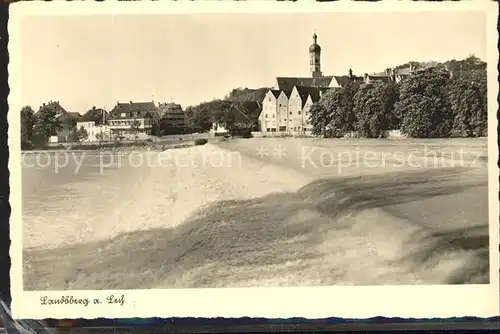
[(67, 120), (123, 115), (288, 107), (274, 115), (172, 117), (246, 114), (299, 106), (218, 129), (389, 75), (243, 121), (94, 122)]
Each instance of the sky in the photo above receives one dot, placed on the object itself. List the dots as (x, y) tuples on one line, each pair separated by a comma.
[(97, 60)]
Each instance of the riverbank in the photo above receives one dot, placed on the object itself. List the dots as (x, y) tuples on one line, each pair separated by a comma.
[(154, 147)]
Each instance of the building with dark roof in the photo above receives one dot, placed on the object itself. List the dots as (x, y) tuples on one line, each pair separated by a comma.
[(287, 83), (53, 106), (173, 118), (67, 120), (244, 118), (389, 75), (299, 106), (274, 113), (287, 108), (124, 116), (94, 123), (96, 115)]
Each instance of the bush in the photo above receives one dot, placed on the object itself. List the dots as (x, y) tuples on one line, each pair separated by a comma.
[(200, 141)]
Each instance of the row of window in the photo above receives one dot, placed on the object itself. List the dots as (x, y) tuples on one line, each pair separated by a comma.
[(86, 125), (125, 132), (146, 122), (283, 128), (291, 113)]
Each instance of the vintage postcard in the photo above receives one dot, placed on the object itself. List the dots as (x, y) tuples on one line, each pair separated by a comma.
[(260, 159)]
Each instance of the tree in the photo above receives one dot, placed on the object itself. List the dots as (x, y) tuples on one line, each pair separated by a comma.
[(27, 126), (468, 101), (333, 115), (135, 127), (100, 137), (370, 110), (198, 118), (222, 113), (156, 129), (472, 63), (327, 115), (46, 124), (349, 115), (78, 135), (319, 119), (415, 64), (423, 104), (389, 98)]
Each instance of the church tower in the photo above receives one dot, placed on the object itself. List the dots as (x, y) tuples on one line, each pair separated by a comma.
[(315, 58)]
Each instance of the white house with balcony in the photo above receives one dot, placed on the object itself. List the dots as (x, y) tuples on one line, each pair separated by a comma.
[(124, 115)]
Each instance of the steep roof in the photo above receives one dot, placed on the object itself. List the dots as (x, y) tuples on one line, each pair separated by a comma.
[(93, 115), (287, 93), (342, 80), (168, 109), (130, 114), (305, 92), (68, 115), (134, 109), (169, 105), (135, 106), (276, 92), (247, 111), (287, 83), (53, 106), (156, 114)]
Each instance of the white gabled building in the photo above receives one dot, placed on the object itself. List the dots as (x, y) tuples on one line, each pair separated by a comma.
[(274, 115), (282, 111), (288, 107), (299, 107), (268, 118), (94, 122)]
